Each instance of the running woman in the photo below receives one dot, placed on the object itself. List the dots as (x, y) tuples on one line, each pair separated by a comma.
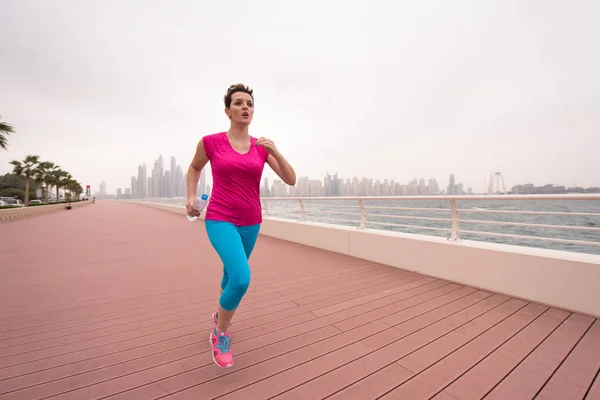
[(234, 212)]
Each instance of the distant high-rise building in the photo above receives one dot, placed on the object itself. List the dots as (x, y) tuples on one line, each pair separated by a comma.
[(385, 189), (134, 185), (168, 184), (451, 186), (171, 182), (392, 188), (332, 185), (302, 186), (413, 188), (264, 190), (434, 188), (142, 182), (377, 188), (315, 188), (279, 189), (161, 177), (103, 189)]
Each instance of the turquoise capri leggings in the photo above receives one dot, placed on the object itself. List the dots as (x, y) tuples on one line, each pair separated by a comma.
[(234, 244)]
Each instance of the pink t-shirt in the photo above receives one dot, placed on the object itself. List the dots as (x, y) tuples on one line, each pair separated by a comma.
[(235, 195)]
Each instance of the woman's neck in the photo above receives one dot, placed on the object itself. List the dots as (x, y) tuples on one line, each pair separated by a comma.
[(238, 131)]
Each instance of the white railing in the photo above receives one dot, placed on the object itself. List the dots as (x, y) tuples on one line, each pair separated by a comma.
[(339, 210)]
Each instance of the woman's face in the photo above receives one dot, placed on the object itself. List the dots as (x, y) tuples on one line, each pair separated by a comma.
[(241, 109)]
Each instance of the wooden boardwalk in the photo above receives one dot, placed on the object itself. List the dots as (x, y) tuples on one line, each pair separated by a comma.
[(113, 301)]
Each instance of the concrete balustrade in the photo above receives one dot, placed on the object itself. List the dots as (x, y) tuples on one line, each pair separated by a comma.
[(16, 213)]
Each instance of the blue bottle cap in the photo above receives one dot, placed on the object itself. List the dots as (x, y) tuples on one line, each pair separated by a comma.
[(204, 197)]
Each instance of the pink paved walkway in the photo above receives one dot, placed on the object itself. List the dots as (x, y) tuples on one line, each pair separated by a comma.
[(113, 301)]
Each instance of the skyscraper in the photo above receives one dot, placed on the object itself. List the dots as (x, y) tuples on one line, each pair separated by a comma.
[(161, 192), (142, 182), (172, 183), (134, 185), (451, 186)]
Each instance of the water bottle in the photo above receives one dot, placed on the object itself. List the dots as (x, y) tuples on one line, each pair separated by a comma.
[(199, 204)]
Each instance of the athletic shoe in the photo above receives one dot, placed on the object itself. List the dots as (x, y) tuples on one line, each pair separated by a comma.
[(221, 351)]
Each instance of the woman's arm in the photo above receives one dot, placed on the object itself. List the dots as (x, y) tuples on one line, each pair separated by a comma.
[(277, 162), (198, 162)]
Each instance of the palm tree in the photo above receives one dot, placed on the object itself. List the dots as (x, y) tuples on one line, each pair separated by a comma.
[(74, 188), (77, 189), (27, 168), (44, 176), (5, 130), (58, 179)]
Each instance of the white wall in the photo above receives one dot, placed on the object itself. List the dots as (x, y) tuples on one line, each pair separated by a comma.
[(566, 280)]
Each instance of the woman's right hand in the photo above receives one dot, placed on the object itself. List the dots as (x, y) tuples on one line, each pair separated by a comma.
[(191, 208)]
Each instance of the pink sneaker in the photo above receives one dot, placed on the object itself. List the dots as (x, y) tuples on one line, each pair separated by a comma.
[(221, 351)]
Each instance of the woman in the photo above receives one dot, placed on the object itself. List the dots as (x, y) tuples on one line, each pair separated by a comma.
[(234, 213)]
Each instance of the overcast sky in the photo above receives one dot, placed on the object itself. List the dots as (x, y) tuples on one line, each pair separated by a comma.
[(381, 89)]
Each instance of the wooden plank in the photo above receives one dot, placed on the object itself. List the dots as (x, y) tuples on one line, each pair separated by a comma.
[(525, 381), (314, 368), (576, 374), (257, 355), (482, 315), (594, 393), (432, 376), (331, 381), (477, 382)]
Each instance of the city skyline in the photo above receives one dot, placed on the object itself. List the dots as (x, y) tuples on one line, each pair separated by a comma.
[(163, 183), (160, 183)]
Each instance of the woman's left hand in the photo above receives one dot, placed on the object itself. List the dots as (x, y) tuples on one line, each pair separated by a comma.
[(268, 145)]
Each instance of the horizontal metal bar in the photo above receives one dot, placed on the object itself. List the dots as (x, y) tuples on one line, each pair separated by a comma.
[(542, 238), (410, 226), (469, 210), (330, 212), (339, 219), (509, 197), (292, 206), (336, 206), (410, 217), (570, 214), (408, 208), (579, 228)]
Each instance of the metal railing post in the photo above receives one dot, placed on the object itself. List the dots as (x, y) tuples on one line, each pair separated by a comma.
[(454, 235), (363, 215), (302, 212)]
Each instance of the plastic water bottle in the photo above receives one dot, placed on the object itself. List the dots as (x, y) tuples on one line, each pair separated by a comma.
[(199, 204)]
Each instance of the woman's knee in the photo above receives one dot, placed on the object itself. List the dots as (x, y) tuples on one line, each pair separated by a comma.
[(234, 292), (240, 284)]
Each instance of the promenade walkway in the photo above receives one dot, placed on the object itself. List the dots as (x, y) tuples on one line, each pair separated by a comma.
[(113, 301)]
